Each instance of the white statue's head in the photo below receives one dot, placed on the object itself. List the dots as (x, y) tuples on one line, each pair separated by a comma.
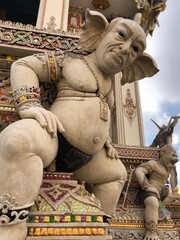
[(168, 157), (119, 46)]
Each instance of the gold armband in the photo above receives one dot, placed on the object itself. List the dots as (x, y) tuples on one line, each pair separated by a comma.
[(52, 66), (49, 61)]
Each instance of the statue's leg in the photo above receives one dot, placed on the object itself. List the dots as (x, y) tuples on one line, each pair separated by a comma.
[(151, 218), (108, 177), (25, 148)]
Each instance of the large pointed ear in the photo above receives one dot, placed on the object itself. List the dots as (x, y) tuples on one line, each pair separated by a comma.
[(143, 66), (96, 24)]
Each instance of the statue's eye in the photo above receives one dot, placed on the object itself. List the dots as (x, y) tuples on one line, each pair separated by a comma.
[(121, 34), (136, 49)]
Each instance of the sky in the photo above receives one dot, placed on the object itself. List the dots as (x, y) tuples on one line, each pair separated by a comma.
[(160, 95)]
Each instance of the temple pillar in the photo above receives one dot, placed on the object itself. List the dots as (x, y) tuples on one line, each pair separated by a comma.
[(127, 125), (64, 22), (50, 14), (41, 11)]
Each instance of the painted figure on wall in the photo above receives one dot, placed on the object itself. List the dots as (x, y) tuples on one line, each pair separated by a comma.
[(75, 130)]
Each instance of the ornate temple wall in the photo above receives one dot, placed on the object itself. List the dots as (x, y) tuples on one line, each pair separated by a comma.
[(127, 126)]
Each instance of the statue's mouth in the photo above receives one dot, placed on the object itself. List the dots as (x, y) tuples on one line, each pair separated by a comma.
[(118, 55)]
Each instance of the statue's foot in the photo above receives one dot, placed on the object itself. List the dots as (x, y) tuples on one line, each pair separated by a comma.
[(151, 236), (15, 232), (151, 231)]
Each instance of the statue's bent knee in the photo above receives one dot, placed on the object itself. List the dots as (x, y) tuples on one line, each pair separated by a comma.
[(123, 174), (15, 142), (10, 212), (121, 181)]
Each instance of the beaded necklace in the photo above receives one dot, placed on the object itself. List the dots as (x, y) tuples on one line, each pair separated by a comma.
[(104, 98)]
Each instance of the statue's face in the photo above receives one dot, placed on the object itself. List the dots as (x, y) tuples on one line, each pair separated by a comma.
[(169, 159), (120, 46)]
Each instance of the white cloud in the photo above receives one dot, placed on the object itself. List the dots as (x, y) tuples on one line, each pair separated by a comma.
[(176, 139), (178, 171), (149, 102)]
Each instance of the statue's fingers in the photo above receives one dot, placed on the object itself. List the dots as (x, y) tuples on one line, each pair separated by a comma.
[(60, 127), (48, 119), (57, 126), (108, 145), (54, 125), (41, 119), (109, 152), (113, 153), (116, 155)]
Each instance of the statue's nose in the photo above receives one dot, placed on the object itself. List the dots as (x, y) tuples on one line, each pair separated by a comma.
[(125, 48)]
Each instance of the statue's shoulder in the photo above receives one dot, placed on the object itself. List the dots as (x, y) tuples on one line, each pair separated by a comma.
[(153, 163), (71, 58), (150, 165)]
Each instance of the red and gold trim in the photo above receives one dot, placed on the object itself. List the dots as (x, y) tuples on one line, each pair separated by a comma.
[(52, 66)]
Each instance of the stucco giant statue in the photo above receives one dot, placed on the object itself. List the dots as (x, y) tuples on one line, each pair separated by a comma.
[(80, 117), (152, 177)]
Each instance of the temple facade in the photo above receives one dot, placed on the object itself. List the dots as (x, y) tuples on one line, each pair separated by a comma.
[(28, 27)]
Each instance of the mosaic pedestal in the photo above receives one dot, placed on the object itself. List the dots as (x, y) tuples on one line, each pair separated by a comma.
[(65, 210)]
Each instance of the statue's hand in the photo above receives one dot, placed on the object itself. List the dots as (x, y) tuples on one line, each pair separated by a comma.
[(175, 194), (45, 118), (110, 150)]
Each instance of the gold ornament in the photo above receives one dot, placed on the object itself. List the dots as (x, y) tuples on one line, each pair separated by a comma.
[(101, 4)]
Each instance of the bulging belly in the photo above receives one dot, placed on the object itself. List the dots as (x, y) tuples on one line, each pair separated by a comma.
[(80, 117)]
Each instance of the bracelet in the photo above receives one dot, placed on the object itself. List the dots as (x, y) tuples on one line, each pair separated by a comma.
[(151, 226), (26, 95), (26, 90), (26, 98), (29, 105), (145, 184)]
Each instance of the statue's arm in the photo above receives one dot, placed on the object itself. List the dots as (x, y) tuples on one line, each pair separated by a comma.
[(31, 70), (26, 73), (141, 172)]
